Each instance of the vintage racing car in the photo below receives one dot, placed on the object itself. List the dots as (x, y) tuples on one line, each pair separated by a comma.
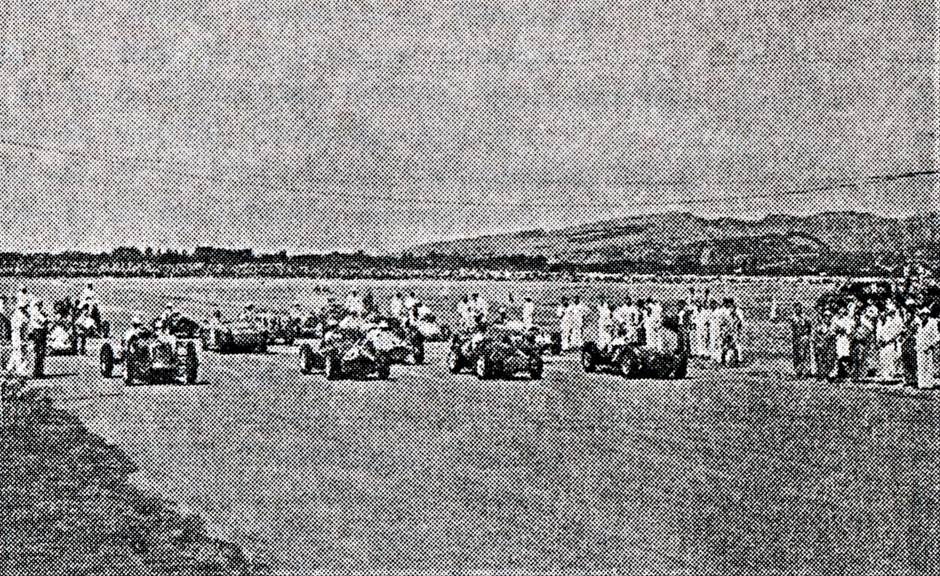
[(497, 351), (343, 353), (150, 360), (633, 361), (180, 326), (235, 337)]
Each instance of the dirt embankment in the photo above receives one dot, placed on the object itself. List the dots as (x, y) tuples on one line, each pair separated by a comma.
[(67, 508)]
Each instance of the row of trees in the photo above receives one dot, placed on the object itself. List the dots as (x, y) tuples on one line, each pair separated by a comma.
[(209, 261)]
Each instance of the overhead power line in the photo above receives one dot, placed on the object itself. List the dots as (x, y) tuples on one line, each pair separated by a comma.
[(166, 168)]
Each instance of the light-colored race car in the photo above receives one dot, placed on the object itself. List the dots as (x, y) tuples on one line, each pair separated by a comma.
[(234, 337)]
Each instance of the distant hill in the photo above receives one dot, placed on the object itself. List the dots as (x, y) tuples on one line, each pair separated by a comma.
[(684, 241)]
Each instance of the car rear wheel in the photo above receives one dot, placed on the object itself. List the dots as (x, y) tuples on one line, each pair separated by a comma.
[(587, 360), (535, 367), (454, 362), (331, 367), (306, 359), (383, 370), (483, 368), (106, 360), (130, 372), (191, 364), (627, 369), (419, 354)]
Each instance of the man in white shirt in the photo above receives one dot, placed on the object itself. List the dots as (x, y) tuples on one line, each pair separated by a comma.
[(576, 313), (480, 307), (409, 302), (19, 327), (528, 313), (396, 306), (654, 325), (564, 322), (354, 304), (605, 323), (627, 316)]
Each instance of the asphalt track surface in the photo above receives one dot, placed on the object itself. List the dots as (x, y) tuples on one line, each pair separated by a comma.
[(727, 471)]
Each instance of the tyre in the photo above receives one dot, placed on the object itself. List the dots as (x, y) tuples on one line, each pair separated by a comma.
[(681, 368), (191, 364), (383, 369), (454, 362), (627, 368), (535, 367), (483, 368), (587, 360), (306, 359), (130, 371), (556, 343), (106, 360), (331, 368)]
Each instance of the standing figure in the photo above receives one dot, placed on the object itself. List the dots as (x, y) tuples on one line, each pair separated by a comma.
[(926, 339), (714, 331), (465, 311), (686, 326), (843, 325), (564, 322), (888, 331), (576, 312), (864, 344), (19, 330), (654, 325), (824, 345), (605, 323), (396, 305), (38, 334), (528, 313), (700, 338), (801, 333)]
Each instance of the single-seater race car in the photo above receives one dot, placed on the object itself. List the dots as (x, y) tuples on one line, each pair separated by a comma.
[(547, 341), (633, 361), (432, 330), (344, 353), (149, 359), (180, 326), (402, 342), (234, 337), (63, 339), (495, 351)]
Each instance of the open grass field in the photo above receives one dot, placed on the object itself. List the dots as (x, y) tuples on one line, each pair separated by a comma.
[(728, 471)]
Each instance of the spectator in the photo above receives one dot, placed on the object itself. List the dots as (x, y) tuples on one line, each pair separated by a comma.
[(396, 306), (564, 322), (801, 331), (19, 338), (39, 334), (5, 327), (576, 312), (605, 323), (889, 330), (528, 313)]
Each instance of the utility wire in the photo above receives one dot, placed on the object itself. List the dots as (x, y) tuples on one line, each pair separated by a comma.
[(166, 168)]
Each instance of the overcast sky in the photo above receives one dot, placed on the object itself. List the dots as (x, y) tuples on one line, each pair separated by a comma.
[(377, 125)]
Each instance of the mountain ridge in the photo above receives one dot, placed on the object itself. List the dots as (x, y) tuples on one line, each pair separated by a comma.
[(672, 236)]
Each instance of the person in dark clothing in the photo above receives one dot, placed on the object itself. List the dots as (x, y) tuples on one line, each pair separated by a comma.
[(801, 330)]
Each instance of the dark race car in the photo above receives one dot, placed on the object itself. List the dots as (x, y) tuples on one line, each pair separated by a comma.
[(235, 337), (180, 326), (150, 360), (497, 351), (633, 361), (283, 331), (344, 354)]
